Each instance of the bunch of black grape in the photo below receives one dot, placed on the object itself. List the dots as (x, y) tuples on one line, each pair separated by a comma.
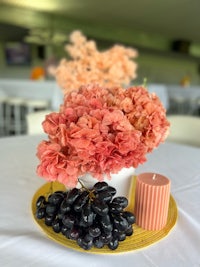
[(91, 217)]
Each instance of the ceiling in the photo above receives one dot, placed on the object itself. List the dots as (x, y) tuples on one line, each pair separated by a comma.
[(12, 32), (142, 22)]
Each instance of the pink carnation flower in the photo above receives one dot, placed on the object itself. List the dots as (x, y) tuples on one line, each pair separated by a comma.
[(99, 131)]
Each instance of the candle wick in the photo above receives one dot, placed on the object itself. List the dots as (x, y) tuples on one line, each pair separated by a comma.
[(154, 176)]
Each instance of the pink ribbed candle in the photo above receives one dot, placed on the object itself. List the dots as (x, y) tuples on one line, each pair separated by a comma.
[(152, 201)]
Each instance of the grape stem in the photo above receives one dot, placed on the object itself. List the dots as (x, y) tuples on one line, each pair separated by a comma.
[(50, 190), (83, 185), (91, 194)]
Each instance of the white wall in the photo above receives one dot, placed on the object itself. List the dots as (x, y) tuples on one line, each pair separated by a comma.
[(166, 69)]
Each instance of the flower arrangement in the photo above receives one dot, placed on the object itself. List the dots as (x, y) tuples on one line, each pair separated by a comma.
[(88, 65), (100, 130)]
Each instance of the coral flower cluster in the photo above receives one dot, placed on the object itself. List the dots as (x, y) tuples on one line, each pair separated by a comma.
[(88, 65), (100, 130)]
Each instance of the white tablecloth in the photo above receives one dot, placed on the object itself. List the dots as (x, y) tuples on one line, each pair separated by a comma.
[(161, 91), (23, 244), (184, 100), (187, 93)]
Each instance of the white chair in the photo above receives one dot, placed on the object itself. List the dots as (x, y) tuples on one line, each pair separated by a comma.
[(195, 106), (14, 112), (180, 104), (3, 99), (184, 129), (36, 104), (34, 121)]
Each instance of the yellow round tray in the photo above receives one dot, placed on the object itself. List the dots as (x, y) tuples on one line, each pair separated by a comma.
[(140, 239)]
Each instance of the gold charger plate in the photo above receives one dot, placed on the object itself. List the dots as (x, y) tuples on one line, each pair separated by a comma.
[(140, 239)]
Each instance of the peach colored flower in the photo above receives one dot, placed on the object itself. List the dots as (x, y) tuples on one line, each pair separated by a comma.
[(99, 131), (88, 65)]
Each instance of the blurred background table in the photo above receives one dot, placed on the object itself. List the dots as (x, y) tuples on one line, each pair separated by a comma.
[(18, 98)]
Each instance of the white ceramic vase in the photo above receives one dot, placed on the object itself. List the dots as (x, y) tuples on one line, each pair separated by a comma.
[(121, 181)]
